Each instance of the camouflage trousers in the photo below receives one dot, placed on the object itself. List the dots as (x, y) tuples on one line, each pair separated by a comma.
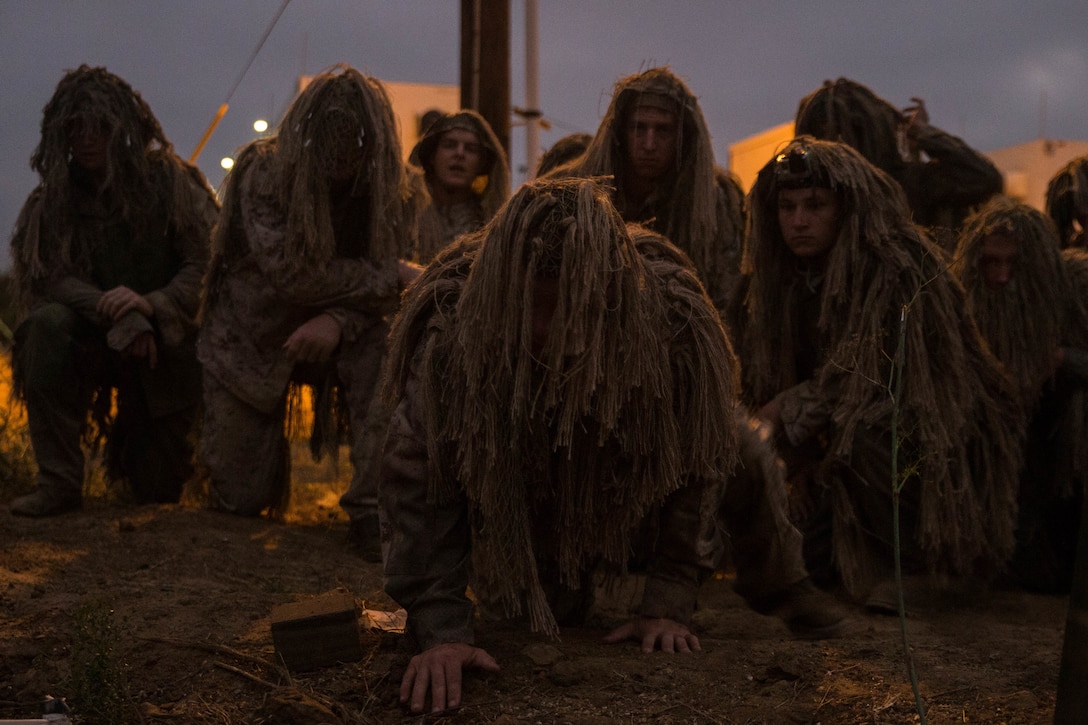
[(764, 545), (246, 451), (62, 364)]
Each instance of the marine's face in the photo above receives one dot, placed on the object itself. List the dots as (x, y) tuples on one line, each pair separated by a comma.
[(650, 136), (997, 260), (341, 139), (458, 159), (89, 143), (347, 160), (545, 300), (809, 220)]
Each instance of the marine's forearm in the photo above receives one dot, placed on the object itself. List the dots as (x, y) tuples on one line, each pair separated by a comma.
[(427, 559)]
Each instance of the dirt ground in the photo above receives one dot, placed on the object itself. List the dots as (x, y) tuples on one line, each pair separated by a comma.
[(167, 610)]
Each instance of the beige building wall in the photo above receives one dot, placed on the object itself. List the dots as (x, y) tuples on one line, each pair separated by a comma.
[(749, 155), (1029, 167), (412, 100)]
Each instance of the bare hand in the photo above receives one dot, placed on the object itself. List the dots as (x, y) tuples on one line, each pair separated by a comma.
[(144, 348), (916, 116), (666, 634), (438, 671), (407, 272), (314, 341), (113, 304)]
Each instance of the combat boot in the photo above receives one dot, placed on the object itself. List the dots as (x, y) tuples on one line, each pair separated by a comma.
[(808, 612), (40, 503)]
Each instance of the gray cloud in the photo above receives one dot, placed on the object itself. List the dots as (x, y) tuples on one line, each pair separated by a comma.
[(983, 67)]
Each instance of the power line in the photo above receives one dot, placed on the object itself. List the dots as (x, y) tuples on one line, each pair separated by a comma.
[(230, 94)]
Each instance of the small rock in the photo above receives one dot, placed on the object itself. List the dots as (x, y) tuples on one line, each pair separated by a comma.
[(544, 655), (1023, 700), (567, 674)]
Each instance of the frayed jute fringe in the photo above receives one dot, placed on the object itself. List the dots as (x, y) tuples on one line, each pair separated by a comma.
[(630, 397), (885, 279)]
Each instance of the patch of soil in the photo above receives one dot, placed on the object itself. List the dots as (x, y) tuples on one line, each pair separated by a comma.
[(191, 592)]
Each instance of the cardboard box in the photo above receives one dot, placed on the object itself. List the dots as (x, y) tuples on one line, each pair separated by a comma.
[(317, 632)]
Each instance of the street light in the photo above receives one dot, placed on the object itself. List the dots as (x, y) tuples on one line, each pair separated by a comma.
[(260, 125)]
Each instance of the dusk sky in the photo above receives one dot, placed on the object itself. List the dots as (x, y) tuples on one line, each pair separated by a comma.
[(996, 72)]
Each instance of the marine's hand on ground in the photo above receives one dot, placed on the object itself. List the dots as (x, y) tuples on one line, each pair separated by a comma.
[(655, 633), (438, 671), (314, 341)]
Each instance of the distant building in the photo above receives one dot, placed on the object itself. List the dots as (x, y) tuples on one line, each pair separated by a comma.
[(749, 155), (1029, 167), (412, 101)]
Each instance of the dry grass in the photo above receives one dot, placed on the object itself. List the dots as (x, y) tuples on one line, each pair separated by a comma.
[(17, 467), (316, 487)]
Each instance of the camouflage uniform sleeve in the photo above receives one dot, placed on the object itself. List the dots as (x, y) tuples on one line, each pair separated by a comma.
[(176, 304), (77, 294), (687, 549), (40, 280), (804, 410), (44, 280), (355, 284), (82, 297), (427, 543), (956, 173), (353, 323)]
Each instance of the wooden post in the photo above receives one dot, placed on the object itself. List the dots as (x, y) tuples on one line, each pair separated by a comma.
[(485, 63), (532, 90)]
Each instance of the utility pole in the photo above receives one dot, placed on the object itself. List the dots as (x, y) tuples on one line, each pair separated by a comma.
[(485, 63), (532, 90)]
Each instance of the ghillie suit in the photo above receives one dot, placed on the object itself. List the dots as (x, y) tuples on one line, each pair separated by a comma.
[(438, 226), (689, 205), (823, 342), (562, 152), (142, 221), (544, 463), (941, 190), (295, 242), (1067, 203), (1075, 262), (1026, 322)]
